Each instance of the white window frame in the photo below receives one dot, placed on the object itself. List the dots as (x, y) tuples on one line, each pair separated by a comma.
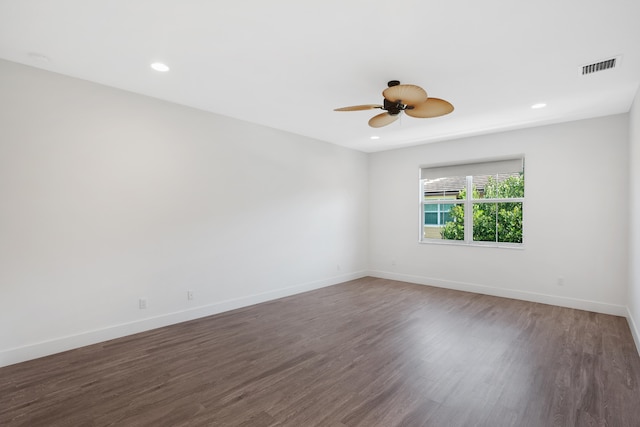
[(468, 203)]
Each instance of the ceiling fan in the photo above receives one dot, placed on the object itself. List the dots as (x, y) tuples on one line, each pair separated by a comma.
[(411, 99)]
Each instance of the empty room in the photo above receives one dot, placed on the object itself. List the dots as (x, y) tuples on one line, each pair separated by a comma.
[(333, 214)]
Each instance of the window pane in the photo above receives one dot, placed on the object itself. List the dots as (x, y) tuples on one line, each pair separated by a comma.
[(453, 224), (497, 222), (431, 208), (444, 188), (445, 212), (510, 222), (484, 222), (498, 186)]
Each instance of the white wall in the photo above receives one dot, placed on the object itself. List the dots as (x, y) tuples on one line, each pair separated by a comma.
[(576, 217), (634, 220), (108, 196)]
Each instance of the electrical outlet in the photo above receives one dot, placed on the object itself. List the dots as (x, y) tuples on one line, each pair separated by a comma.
[(338, 267), (560, 281), (189, 295), (142, 303)]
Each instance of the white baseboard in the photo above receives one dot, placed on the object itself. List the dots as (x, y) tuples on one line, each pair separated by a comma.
[(60, 344), (634, 329), (598, 307)]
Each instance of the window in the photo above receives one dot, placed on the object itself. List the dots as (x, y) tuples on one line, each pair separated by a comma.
[(492, 191)]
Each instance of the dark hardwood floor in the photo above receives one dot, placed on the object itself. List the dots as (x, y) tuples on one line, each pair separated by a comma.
[(369, 352)]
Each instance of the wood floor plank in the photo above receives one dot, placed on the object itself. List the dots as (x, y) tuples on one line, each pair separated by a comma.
[(370, 352)]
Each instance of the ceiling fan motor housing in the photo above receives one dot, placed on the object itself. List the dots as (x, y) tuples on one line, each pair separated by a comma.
[(394, 108)]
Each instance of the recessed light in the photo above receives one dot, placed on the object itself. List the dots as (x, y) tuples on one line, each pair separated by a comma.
[(538, 105), (159, 66), (374, 137)]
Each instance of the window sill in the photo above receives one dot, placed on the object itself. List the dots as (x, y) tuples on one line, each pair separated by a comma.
[(517, 246)]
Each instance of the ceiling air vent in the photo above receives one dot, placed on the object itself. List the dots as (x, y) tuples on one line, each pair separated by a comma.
[(607, 64)]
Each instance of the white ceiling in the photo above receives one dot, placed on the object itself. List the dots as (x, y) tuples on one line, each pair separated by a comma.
[(288, 63)]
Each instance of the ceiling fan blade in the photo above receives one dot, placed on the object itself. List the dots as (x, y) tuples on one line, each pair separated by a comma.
[(405, 94), (432, 107), (359, 107), (383, 119)]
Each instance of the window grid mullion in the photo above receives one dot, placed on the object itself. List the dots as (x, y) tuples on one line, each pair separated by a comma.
[(468, 212), (509, 200)]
